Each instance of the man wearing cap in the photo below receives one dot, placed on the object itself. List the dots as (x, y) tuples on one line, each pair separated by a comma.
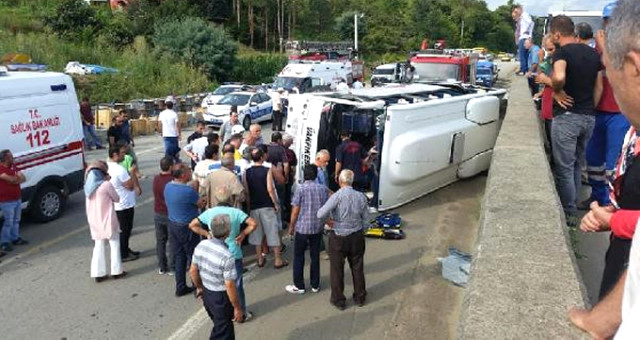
[(276, 100), (604, 146), (226, 130), (214, 274)]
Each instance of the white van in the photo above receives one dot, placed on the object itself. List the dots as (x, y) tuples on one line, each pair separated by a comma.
[(40, 124), (304, 76), (427, 136)]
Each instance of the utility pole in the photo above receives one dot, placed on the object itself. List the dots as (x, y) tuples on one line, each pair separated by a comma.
[(355, 33)]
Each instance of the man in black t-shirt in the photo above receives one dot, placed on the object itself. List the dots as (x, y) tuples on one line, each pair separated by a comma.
[(577, 86), (114, 134)]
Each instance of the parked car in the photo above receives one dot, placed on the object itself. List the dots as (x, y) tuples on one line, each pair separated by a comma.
[(253, 107), (504, 56), (215, 96)]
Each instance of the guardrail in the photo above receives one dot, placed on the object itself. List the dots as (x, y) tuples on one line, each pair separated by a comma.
[(524, 275)]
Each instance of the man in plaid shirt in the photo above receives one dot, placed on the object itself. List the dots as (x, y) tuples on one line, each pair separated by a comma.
[(308, 199)]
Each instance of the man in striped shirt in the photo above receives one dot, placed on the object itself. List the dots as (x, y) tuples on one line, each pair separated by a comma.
[(213, 272), (349, 210)]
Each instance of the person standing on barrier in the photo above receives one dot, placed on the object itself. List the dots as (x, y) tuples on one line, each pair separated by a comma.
[(350, 212), (574, 82), (611, 126), (618, 313)]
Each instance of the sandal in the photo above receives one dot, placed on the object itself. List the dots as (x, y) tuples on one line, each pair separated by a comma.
[(284, 264), (260, 265)]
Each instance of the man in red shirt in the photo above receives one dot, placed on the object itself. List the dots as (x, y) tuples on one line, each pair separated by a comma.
[(161, 220), (608, 133), (10, 201)]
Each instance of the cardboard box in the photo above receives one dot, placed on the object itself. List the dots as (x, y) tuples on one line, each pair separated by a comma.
[(183, 118), (138, 127), (104, 116)]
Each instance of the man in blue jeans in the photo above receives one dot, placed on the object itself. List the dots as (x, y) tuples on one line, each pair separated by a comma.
[(235, 238), (183, 203), (169, 126), (575, 77), (10, 201), (307, 228), (89, 125), (523, 31)]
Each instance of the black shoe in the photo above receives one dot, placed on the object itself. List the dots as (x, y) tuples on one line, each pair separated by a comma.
[(340, 306), (2, 253), (359, 303), (100, 279), (20, 242), (185, 291), (129, 257), (99, 147), (134, 253), (6, 247)]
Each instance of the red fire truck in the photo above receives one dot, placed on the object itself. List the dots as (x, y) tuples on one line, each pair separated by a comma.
[(436, 66)]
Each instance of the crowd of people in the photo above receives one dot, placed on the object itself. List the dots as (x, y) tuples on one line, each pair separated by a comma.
[(234, 189), (588, 84)]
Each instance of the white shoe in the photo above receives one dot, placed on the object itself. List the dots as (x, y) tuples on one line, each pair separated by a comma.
[(373, 210), (293, 289), (315, 290)]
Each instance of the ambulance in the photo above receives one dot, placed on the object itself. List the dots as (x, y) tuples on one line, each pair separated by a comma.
[(306, 76), (40, 124)]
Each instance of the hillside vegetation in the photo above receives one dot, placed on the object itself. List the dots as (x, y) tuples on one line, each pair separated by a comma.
[(188, 46)]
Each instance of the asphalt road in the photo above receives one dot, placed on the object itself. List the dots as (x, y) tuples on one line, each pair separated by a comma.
[(47, 292)]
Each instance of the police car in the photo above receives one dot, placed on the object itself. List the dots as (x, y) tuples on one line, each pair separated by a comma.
[(253, 107), (215, 96)]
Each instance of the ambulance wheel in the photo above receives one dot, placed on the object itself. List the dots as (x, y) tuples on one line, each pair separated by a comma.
[(246, 123), (47, 204)]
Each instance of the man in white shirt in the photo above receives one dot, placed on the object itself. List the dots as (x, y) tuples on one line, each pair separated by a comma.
[(195, 149), (524, 31), (357, 84), (342, 87), (276, 102), (169, 124), (124, 185)]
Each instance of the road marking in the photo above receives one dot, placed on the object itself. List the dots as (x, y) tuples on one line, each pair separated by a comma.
[(58, 239), (149, 150)]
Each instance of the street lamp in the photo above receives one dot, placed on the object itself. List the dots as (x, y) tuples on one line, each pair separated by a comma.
[(355, 25)]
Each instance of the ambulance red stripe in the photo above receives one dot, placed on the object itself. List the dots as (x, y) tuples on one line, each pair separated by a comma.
[(45, 156)]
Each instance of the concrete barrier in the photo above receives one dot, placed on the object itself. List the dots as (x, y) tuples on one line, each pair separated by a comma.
[(524, 275)]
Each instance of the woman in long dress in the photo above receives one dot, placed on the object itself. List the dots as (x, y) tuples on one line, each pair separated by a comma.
[(103, 222)]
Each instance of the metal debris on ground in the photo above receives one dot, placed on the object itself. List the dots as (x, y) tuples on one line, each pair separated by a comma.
[(456, 267)]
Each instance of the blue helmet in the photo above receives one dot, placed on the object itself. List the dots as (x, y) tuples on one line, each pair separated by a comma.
[(608, 9)]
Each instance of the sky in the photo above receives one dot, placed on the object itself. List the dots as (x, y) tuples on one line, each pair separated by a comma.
[(543, 7)]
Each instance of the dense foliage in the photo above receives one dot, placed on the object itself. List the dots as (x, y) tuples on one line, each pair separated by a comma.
[(198, 43), (188, 45)]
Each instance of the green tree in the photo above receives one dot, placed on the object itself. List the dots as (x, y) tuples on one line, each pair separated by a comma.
[(119, 32), (74, 19), (197, 43), (344, 25)]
